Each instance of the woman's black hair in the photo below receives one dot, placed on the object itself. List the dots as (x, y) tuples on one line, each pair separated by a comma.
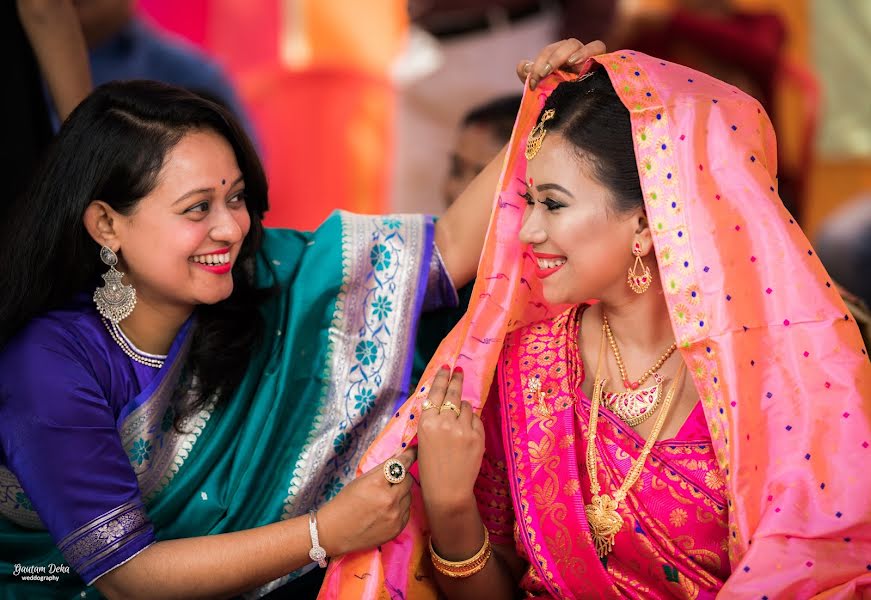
[(112, 147), (590, 115)]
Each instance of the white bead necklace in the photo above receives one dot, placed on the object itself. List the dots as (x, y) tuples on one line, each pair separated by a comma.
[(144, 358)]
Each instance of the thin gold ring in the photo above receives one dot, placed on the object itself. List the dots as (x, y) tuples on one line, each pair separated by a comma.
[(447, 404)]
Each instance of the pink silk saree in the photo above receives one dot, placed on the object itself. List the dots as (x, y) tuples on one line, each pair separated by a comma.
[(673, 541), (778, 362)]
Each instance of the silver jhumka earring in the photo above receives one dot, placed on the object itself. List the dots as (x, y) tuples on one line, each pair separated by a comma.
[(114, 300)]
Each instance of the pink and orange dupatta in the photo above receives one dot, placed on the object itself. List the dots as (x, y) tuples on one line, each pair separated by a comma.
[(779, 364)]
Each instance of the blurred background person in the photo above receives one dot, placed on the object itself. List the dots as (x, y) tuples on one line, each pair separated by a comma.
[(843, 243), (122, 45), (445, 37), (839, 208), (44, 51), (483, 132)]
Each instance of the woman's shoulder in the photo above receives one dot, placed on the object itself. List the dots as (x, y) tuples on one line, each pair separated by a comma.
[(64, 335)]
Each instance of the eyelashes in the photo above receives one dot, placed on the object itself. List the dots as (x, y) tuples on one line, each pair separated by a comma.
[(549, 204), (203, 207)]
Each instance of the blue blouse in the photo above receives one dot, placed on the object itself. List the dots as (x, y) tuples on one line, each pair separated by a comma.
[(63, 384)]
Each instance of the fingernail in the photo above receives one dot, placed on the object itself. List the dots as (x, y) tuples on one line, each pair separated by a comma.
[(573, 59), (446, 367), (547, 69), (532, 83), (527, 67), (458, 370)]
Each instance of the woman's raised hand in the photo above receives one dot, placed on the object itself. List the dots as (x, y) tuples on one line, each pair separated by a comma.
[(368, 511), (450, 445), (568, 55)]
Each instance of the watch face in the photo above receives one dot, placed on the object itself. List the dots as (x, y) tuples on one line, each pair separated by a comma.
[(317, 554)]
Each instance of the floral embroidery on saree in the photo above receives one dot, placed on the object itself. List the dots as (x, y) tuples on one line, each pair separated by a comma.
[(370, 335), (14, 503), (673, 538), (541, 468), (157, 450), (104, 535)]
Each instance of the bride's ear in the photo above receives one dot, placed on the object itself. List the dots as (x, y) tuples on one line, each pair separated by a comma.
[(643, 235)]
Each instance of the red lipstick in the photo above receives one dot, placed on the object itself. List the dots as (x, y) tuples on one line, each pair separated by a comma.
[(544, 273)]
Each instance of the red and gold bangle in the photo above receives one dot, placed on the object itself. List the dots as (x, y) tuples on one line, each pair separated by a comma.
[(463, 568)]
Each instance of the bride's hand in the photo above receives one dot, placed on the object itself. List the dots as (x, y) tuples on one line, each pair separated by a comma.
[(567, 55), (450, 446)]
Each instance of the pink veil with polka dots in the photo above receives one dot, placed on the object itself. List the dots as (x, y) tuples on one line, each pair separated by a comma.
[(778, 362)]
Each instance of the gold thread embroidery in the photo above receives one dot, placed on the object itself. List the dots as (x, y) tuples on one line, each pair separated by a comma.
[(103, 535)]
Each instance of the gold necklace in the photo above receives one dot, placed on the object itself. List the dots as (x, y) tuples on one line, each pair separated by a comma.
[(605, 522), (633, 385), (634, 406)]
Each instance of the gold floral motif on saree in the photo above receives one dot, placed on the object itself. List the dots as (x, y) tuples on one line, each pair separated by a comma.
[(549, 365)]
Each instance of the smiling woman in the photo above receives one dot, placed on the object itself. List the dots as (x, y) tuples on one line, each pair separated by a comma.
[(184, 396), (209, 344), (673, 358)]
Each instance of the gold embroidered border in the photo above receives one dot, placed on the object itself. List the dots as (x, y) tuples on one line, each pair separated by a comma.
[(104, 535), (148, 434)]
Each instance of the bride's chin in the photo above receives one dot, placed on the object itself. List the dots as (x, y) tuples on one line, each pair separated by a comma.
[(554, 294)]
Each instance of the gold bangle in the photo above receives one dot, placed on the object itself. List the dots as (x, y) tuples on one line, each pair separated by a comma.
[(463, 568)]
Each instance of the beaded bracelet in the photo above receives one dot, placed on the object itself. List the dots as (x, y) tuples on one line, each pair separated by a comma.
[(463, 568)]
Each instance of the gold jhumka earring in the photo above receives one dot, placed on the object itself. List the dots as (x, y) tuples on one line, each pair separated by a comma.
[(639, 282)]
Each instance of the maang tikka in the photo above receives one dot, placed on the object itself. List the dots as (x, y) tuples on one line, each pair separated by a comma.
[(536, 136), (115, 300)]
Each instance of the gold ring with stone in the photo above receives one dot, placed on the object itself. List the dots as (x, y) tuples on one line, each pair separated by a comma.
[(447, 404), (427, 405), (394, 471)]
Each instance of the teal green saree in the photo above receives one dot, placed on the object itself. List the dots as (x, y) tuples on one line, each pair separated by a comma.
[(335, 360)]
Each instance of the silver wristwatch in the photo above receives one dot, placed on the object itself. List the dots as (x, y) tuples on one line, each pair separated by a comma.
[(317, 553)]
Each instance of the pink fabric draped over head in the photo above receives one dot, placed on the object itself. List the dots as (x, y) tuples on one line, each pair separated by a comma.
[(778, 362)]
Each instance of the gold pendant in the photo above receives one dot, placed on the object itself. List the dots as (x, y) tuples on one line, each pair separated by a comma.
[(634, 407), (605, 522)]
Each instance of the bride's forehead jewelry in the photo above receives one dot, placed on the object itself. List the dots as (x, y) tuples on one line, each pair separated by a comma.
[(536, 136)]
